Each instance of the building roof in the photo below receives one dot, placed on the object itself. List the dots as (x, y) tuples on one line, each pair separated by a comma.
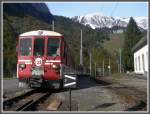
[(140, 44), (41, 33)]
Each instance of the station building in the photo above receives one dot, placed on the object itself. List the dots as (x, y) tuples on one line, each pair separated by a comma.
[(140, 51)]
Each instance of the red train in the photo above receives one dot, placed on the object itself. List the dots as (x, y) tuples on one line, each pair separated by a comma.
[(43, 59)]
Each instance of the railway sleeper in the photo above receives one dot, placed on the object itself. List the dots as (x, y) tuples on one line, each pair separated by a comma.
[(34, 103), (25, 105)]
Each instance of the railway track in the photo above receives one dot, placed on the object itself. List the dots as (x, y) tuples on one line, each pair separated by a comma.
[(25, 102)]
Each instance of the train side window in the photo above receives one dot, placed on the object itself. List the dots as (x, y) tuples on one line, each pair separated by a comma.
[(66, 54), (63, 49), (66, 57)]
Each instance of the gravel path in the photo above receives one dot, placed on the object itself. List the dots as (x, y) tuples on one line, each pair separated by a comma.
[(131, 90), (90, 96), (10, 88), (10, 84), (124, 94), (137, 82)]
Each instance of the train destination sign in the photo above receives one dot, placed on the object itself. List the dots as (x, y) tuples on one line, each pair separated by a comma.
[(70, 81)]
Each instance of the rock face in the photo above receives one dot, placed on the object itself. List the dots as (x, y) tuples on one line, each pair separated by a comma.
[(37, 10), (98, 20)]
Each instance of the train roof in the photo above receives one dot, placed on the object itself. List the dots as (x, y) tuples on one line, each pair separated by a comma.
[(41, 33)]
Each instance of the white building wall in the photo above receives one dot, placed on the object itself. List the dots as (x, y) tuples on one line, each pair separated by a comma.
[(139, 66)]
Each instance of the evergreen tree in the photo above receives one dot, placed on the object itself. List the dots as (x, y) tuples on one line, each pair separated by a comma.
[(9, 50), (132, 36)]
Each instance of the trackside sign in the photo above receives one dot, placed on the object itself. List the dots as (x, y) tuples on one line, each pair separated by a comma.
[(70, 80)]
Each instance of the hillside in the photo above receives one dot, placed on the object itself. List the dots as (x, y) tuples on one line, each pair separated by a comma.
[(71, 30), (39, 10), (116, 41), (19, 18)]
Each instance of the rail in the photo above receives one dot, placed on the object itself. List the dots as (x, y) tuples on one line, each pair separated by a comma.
[(24, 102)]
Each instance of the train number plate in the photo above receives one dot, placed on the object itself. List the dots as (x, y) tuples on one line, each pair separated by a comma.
[(38, 72)]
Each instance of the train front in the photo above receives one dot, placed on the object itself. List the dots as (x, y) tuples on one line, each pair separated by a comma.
[(39, 59)]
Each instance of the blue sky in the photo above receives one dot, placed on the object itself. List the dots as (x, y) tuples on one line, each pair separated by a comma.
[(115, 9)]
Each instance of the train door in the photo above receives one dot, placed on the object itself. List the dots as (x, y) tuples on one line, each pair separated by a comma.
[(24, 57), (39, 51), (53, 58)]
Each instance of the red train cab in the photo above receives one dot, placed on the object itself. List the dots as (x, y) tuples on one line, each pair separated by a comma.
[(43, 58)]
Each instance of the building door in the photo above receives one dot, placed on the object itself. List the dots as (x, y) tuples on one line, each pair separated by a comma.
[(139, 63)]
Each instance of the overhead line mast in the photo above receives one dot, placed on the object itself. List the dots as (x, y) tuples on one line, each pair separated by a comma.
[(81, 56), (53, 24)]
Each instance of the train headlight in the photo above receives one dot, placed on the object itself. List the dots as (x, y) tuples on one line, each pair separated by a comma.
[(56, 67), (22, 66)]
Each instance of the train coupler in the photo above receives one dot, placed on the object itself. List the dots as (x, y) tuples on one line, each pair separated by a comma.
[(36, 81)]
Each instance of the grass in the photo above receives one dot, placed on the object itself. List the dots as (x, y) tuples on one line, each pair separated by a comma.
[(9, 78), (117, 76)]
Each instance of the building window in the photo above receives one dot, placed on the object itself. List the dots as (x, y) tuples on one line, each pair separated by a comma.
[(139, 63), (143, 62), (147, 57), (135, 63)]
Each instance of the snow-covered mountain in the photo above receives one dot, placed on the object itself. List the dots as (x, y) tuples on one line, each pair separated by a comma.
[(98, 20)]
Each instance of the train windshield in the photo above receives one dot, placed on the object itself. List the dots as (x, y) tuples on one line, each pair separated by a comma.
[(53, 47), (38, 47), (25, 46)]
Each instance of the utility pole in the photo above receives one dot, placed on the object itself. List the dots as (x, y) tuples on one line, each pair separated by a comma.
[(103, 68), (120, 59), (117, 59), (95, 69), (53, 25), (90, 62), (118, 67), (109, 67), (81, 57)]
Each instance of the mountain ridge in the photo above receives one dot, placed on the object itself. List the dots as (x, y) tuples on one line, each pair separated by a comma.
[(38, 10), (99, 20)]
